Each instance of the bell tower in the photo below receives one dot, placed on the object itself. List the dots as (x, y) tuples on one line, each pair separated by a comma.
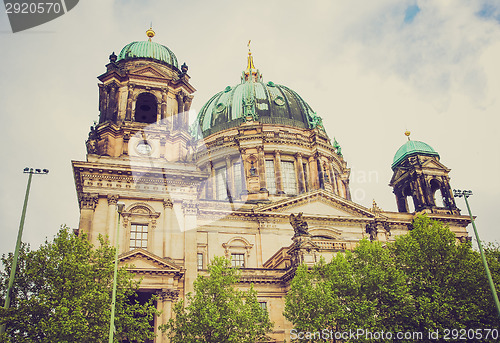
[(420, 177), (140, 152), (143, 91)]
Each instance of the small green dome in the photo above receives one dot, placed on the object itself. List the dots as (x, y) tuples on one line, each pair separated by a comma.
[(148, 49), (268, 103), (411, 148)]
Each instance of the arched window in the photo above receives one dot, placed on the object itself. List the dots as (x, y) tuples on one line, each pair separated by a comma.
[(410, 205), (435, 187), (146, 108)]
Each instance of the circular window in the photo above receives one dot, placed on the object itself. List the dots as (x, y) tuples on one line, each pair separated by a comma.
[(220, 107), (144, 148), (279, 101)]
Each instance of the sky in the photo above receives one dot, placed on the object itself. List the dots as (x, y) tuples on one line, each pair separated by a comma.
[(370, 69)]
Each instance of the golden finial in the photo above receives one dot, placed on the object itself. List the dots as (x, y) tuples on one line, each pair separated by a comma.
[(150, 33), (251, 70), (407, 134)]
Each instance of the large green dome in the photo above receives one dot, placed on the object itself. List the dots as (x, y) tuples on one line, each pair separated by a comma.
[(268, 103), (412, 148), (148, 49)]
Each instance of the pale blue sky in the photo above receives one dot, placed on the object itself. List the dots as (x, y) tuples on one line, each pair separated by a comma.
[(370, 69)]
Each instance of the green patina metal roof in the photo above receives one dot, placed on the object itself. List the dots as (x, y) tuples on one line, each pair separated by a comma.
[(148, 49), (411, 148), (258, 101)]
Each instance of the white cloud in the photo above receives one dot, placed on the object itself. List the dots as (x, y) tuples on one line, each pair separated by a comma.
[(370, 76)]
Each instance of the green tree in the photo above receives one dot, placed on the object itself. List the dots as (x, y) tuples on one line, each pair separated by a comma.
[(446, 279), (424, 281), (218, 312), (362, 289), (62, 293)]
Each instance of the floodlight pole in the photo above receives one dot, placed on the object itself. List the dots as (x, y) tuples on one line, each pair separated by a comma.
[(13, 268), (119, 208), (466, 194)]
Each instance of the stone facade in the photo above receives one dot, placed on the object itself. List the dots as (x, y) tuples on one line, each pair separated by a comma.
[(189, 198)]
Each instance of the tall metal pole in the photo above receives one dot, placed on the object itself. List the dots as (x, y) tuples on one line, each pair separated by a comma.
[(466, 194), (6, 306), (115, 273)]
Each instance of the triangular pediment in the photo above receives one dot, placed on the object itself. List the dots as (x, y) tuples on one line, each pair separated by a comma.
[(397, 175), (142, 260), (148, 71), (319, 203), (434, 164)]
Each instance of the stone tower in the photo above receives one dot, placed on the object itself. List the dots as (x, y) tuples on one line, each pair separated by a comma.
[(420, 176), (141, 153)]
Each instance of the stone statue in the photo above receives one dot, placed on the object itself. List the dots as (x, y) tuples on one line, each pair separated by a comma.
[(299, 225), (92, 140)]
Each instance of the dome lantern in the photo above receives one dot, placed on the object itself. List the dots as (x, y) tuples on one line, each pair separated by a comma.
[(148, 49)]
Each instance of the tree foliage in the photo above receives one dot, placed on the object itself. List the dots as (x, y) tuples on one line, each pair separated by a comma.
[(62, 293), (218, 312), (424, 281)]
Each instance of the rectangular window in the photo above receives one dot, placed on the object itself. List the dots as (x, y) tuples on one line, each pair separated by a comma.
[(200, 261), (263, 305), (289, 178), (270, 177), (238, 180), (220, 183), (138, 236), (238, 260)]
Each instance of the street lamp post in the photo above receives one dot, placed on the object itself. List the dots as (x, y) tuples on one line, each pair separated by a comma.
[(119, 208), (459, 193), (29, 171)]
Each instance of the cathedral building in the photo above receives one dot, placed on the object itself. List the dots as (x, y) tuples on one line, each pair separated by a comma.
[(256, 179)]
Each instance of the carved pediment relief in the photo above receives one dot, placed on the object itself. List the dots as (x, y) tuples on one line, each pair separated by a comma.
[(434, 164), (319, 203), (144, 261), (149, 72)]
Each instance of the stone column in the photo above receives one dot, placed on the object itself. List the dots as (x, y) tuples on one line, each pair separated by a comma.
[(262, 168), (164, 99), (130, 101), (168, 227), (229, 178), (126, 139), (313, 168), (187, 106), (112, 217), (88, 203), (190, 210), (211, 182), (103, 103), (277, 170), (166, 298), (300, 172), (111, 102), (158, 110), (180, 110), (334, 181)]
